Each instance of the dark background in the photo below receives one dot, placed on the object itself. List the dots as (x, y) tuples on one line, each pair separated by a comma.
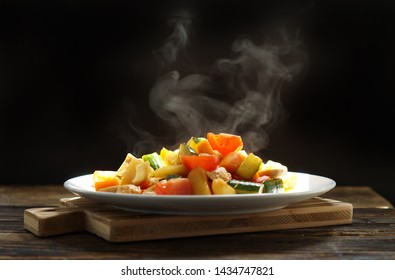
[(70, 72)]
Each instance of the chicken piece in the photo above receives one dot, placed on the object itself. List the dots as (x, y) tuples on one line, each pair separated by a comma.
[(220, 172), (129, 189)]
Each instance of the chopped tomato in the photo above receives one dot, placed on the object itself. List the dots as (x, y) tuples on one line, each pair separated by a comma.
[(176, 186), (205, 161), (225, 143), (145, 184)]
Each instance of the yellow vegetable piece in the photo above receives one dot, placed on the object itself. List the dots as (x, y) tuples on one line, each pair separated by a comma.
[(249, 167), (272, 169), (123, 169), (130, 172), (289, 181), (165, 171), (219, 186), (170, 157), (204, 147), (199, 181), (142, 174), (103, 179), (273, 165), (191, 143), (124, 165)]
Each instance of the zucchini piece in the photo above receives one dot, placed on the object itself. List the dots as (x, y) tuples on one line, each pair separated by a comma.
[(244, 187), (193, 141), (173, 176), (198, 139), (154, 160), (273, 186), (186, 150), (249, 167)]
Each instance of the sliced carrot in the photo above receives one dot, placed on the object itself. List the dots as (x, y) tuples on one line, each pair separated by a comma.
[(232, 161), (104, 179)]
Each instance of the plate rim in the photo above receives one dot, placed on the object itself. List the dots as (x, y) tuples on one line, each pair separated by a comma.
[(108, 198)]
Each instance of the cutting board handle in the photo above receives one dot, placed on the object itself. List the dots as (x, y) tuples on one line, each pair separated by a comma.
[(51, 221), (115, 225)]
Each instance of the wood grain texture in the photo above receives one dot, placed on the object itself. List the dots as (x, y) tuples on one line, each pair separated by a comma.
[(121, 226), (359, 197), (370, 236), (40, 195)]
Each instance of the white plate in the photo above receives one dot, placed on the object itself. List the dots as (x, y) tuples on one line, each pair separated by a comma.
[(307, 186)]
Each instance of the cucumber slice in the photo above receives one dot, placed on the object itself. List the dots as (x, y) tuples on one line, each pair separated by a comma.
[(154, 160), (186, 150), (268, 186), (273, 186), (244, 187)]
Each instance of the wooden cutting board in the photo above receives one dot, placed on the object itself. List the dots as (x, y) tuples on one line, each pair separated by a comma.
[(115, 225)]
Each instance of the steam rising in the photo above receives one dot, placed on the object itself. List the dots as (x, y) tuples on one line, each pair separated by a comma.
[(177, 41), (241, 95)]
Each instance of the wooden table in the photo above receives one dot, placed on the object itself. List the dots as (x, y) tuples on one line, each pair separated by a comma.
[(370, 236)]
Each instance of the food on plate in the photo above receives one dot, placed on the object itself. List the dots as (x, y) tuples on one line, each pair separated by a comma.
[(213, 165)]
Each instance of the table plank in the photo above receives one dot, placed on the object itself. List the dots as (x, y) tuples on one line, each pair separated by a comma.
[(359, 197), (39, 195), (371, 236)]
